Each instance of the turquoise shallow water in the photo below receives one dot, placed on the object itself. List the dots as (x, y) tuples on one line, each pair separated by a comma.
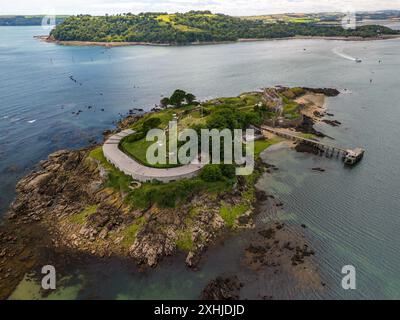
[(352, 215)]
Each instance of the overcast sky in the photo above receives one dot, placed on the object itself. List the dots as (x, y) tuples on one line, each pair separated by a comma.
[(232, 7)]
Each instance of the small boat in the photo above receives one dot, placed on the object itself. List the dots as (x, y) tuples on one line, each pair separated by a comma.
[(358, 60)]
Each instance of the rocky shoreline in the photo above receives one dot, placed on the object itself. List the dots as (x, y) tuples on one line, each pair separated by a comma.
[(275, 252)]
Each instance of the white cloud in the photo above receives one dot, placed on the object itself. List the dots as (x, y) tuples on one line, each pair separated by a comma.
[(233, 7)]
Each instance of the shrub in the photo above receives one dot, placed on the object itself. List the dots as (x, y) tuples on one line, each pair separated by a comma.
[(190, 98), (134, 137), (211, 173), (231, 213), (177, 97), (118, 180), (185, 241), (150, 124), (164, 102), (228, 171)]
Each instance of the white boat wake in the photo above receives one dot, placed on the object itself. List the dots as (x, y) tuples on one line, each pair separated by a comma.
[(339, 52)]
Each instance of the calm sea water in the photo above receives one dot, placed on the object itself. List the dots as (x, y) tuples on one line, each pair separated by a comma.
[(352, 215)]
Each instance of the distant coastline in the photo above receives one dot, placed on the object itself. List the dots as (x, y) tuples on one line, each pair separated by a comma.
[(49, 39)]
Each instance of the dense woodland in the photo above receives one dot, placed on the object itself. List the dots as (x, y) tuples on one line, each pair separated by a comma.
[(194, 26)]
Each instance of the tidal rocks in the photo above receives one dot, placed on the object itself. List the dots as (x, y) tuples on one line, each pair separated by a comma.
[(307, 126), (318, 169), (329, 92), (301, 253), (262, 195), (267, 233), (150, 247), (128, 121), (222, 289), (275, 253), (333, 123), (319, 114), (276, 246)]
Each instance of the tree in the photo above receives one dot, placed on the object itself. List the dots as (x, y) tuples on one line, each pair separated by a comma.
[(178, 97), (150, 124), (190, 98), (228, 170), (165, 102), (211, 173)]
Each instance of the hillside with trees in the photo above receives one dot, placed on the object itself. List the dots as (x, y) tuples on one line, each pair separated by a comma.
[(192, 27)]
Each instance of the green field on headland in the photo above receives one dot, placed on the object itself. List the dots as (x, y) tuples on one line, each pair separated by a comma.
[(233, 113)]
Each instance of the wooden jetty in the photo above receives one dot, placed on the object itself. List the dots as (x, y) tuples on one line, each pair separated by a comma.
[(349, 156)]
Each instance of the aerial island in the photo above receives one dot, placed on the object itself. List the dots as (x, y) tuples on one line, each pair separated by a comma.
[(79, 202), (199, 27)]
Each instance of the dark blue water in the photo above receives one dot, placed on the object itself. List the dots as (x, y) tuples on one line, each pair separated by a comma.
[(352, 215)]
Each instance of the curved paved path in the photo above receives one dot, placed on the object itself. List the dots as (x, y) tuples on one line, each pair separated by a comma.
[(140, 172)]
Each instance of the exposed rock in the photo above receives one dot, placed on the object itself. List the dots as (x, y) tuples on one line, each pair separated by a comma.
[(329, 92), (318, 169), (150, 247), (333, 123), (193, 259), (107, 133), (222, 289), (261, 195), (307, 126), (319, 114), (128, 121)]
